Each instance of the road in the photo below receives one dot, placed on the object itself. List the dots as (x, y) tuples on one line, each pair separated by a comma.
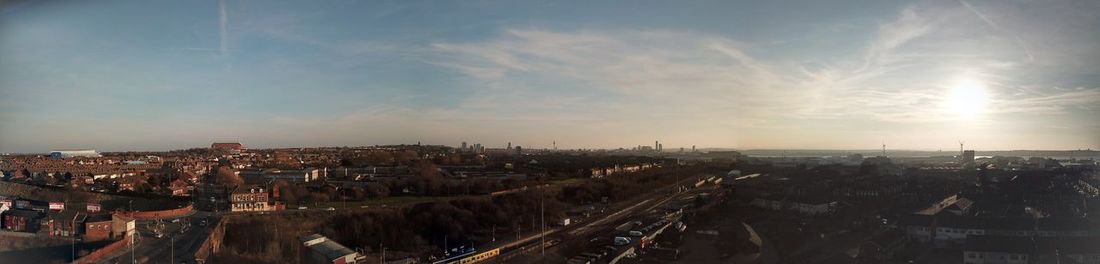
[(172, 243)]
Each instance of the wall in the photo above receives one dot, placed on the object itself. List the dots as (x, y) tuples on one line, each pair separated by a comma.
[(102, 253), (213, 242), (97, 231), (170, 213)]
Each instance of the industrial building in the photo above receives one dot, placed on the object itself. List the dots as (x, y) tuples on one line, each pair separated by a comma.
[(232, 148), (65, 154), (328, 251)]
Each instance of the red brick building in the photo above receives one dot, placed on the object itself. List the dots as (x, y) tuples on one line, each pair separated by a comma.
[(65, 223), (20, 220), (97, 228), (179, 188), (234, 148)]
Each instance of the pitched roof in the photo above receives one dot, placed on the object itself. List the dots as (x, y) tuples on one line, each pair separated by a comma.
[(22, 213)]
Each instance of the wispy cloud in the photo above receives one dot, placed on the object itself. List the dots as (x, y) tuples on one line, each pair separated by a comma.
[(1019, 41), (902, 76), (403, 71), (223, 28)]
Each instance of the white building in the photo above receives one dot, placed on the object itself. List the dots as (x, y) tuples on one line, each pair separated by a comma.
[(64, 154), (250, 199)]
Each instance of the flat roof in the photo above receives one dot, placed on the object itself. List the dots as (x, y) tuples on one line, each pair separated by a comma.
[(326, 247)]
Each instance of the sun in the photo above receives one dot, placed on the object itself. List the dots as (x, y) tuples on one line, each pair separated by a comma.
[(967, 98)]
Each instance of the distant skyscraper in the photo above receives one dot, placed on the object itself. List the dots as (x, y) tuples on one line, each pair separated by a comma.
[(463, 145), (509, 145), (968, 157)]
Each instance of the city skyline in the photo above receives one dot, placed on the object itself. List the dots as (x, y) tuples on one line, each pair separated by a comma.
[(918, 75)]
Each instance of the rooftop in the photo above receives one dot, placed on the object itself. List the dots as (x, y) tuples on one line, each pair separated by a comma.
[(327, 248)]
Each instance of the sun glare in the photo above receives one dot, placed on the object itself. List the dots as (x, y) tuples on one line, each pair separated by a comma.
[(967, 98)]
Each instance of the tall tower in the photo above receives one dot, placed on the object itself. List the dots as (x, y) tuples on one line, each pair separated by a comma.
[(884, 149), (555, 145), (509, 145)]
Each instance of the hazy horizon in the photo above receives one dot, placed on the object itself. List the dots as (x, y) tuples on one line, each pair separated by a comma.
[(147, 75), (667, 149)]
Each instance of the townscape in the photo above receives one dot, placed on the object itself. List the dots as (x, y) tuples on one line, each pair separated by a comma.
[(550, 132), (464, 204)]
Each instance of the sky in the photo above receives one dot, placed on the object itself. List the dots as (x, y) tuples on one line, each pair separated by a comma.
[(156, 75)]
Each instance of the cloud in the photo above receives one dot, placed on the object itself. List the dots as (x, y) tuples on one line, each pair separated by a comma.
[(223, 29), (613, 71), (593, 84), (1019, 41), (700, 74), (901, 77)]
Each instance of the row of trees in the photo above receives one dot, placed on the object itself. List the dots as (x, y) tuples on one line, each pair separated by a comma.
[(426, 227), (624, 186), (427, 182), (418, 229), (458, 222)]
